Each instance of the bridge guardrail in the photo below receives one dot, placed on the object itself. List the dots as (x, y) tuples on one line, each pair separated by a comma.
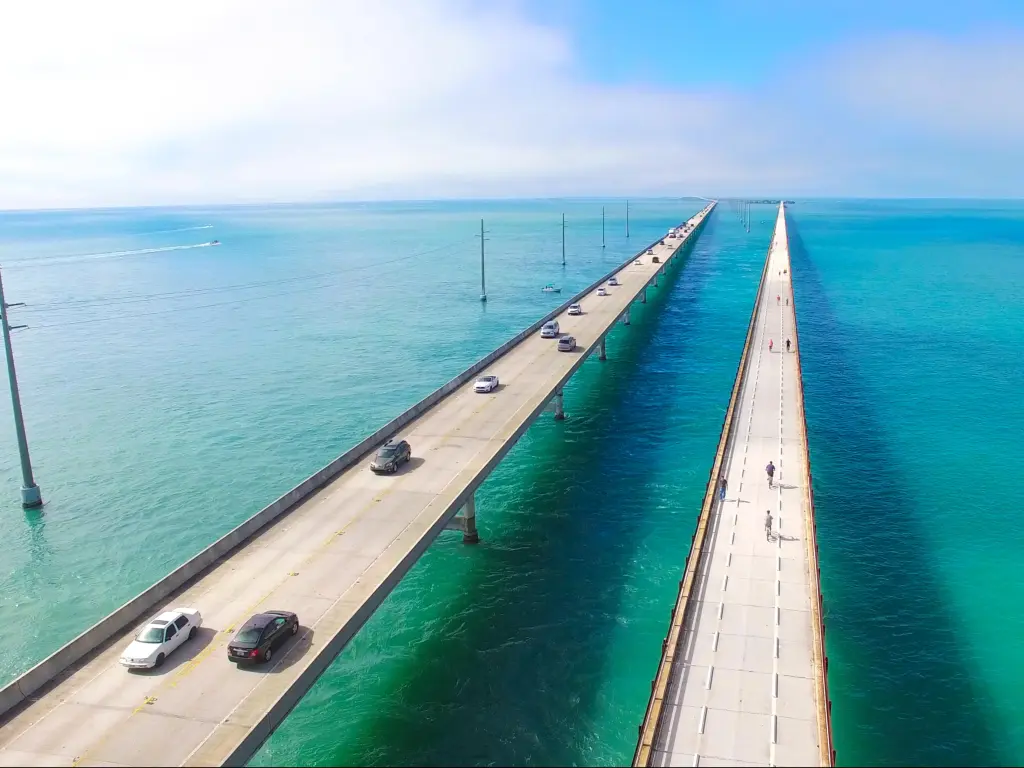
[(818, 606)]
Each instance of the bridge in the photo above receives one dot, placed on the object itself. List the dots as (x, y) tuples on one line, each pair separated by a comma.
[(331, 550), (742, 677)]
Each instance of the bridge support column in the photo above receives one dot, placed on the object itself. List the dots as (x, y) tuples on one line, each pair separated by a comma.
[(466, 522), (643, 295), (559, 406), (625, 317), (469, 534), (655, 282), (601, 352)]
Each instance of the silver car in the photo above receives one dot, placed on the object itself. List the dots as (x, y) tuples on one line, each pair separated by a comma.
[(550, 330), (567, 344)]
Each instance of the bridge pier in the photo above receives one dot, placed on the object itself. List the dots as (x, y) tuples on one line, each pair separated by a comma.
[(625, 317), (559, 406), (601, 351), (466, 522), (643, 295), (655, 281)]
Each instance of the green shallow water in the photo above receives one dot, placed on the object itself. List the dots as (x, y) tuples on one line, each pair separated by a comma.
[(168, 420)]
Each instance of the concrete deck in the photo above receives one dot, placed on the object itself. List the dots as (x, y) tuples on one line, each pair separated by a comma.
[(745, 683), (332, 560)]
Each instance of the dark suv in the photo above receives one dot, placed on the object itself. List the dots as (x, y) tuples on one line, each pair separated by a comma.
[(392, 455)]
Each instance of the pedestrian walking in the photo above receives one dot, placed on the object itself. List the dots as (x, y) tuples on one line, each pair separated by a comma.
[(787, 345), (778, 299), (770, 471), (768, 525), (787, 302), (722, 485), (771, 344)]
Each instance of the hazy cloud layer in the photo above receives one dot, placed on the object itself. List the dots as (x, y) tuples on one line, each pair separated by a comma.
[(114, 103)]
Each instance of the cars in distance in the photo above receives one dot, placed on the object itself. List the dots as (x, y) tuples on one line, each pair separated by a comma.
[(601, 291), (638, 263), (486, 384), (160, 637), (655, 260), (390, 456), (549, 330), (261, 635), (650, 251), (567, 344), (575, 309), (613, 281)]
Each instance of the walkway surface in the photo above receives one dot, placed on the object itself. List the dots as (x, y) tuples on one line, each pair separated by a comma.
[(746, 691), (333, 560)]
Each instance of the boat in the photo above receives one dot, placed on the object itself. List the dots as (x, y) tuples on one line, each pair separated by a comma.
[(215, 242), (549, 288)]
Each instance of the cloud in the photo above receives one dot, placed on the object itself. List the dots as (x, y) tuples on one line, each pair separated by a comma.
[(114, 103)]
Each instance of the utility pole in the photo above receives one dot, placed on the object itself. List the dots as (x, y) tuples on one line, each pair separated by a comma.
[(483, 282), (627, 219), (30, 495), (563, 239), (602, 226)]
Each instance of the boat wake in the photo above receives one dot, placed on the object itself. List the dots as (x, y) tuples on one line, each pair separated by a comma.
[(106, 255), (180, 229)]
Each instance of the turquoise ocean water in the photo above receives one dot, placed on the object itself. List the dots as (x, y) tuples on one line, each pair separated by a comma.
[(158, 422)]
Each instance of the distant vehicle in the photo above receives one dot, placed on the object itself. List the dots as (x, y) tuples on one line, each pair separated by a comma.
[(486, 384), (655, 260), (613, 282), (549, 288), (160, 637), (650, 251), (567, 344), (638, 263), (661, 242), (575, 309), (601, 291), (390, 456), (261, 635), (671, 235), (550, 330)]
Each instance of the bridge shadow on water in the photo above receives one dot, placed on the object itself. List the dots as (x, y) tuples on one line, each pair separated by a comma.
[(517, 678), (902, 685)]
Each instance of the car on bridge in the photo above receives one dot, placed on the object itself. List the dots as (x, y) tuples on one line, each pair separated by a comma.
[(601, 291), (390, 456), (550, 330), (486, 384), (261, 635), (614, 281), (567, 344), (650, 251), (638, 263), (575, 309), (160, 637)]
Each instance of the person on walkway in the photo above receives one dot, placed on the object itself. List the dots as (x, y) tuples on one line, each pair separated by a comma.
[(770, 471), (722, 485), (771, 343), (768, 526), (778, 299), (787, 345), (787, 302)]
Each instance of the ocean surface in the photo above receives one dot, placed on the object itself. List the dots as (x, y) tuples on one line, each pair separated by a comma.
[(172, 388)]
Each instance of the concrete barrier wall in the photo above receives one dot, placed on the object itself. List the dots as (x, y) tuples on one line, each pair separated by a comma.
[(115, 623), (649, 728)]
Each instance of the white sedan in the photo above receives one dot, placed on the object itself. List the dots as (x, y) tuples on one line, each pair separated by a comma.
[(601, 291), (486, 384), (160, 637), (575, 309), (614, 281)]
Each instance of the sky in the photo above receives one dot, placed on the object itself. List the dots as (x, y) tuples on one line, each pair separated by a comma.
[(112, 103)]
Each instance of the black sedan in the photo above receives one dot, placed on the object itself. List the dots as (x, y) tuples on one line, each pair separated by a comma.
[(261, 635)]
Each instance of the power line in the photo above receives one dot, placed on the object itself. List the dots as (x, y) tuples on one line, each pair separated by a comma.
[(187, 293)]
